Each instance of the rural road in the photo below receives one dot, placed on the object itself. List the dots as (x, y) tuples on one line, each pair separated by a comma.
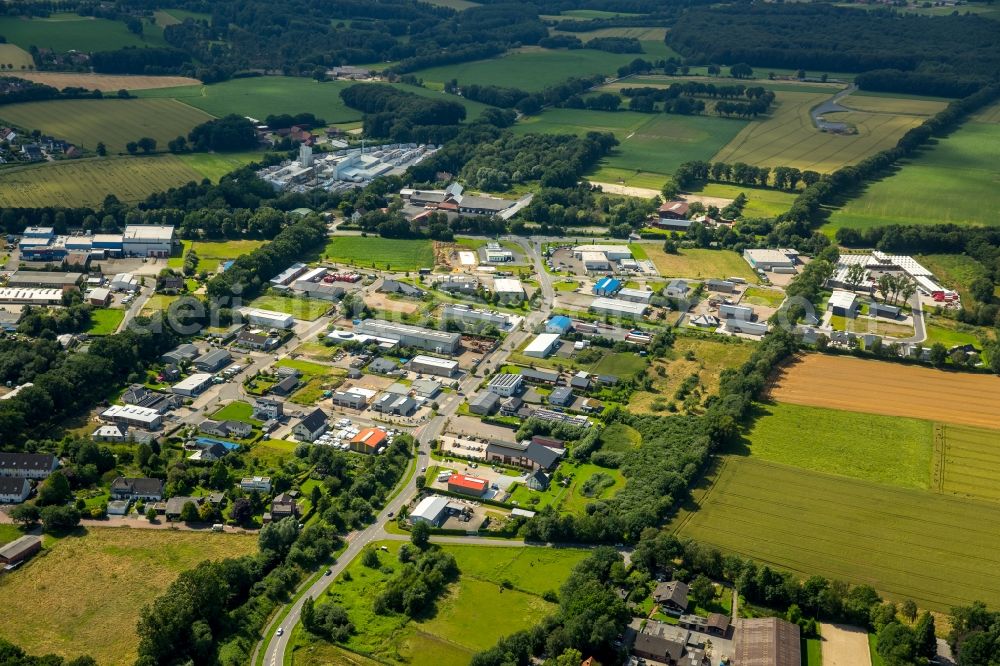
[(276, 648)]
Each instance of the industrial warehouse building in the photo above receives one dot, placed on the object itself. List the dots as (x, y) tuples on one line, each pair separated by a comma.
[(44, 279), (543, 345), (741, 312), (508, 288), (505, 384), (193, 385), (147, 240), (843, 304), (268, 318), (133, 416), (612, 252), (465, 314), (31, 296), (778, 261), (635, 295), (617, 308), (431, 365), (427, 339)]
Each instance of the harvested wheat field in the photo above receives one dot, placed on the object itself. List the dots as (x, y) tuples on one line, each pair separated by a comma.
[(878, 387), (106, 82)]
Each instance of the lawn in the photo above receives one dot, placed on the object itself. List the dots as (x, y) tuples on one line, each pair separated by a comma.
[(530, 68), (272, 453), (472, 614), (700, 263), (760, 202), (812, 652), (212, 253), (622, 364), (963, 164), (788, 137), (885, 449), (236, 411), (382, 253), (651, 146), (307, 309), (63, 32), (574, 497), (620, 437), (105, 321), (771, 298), (114, 122), (900, 540), (158, 303), (112, 574), (709, 357), (951, 333)]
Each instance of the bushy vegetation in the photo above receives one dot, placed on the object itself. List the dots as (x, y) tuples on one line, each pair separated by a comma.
[(11, 655), (417, 584), (227, 134), (402, 116)]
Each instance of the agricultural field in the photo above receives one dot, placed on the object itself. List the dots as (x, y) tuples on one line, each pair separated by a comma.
[(968, 461), (383, 253), (85, 182), (911, 105), (700, 263), (137, 565), (105, 321), (884, 449), (66, 32), (788, 137), (841, 382), (15, 58), (216, 165), (106, 82), (662, 81), (761, 202), (473, 613), (707, 357), (529, 68), (963, 164), (900, 540), (307, 309), (114, 122)]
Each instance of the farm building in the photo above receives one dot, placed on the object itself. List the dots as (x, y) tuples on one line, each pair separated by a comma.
[(618, 308), (467, 485), (741, 312), (427, 339), (673, 210), (560, 324), (543, 345), (607, 286), (663, 643), (19, 550), (14, 490), (635, 295), (192, 385), (612, 252), (677, 289), (268, 319), (778, 261), (843, 304), (27, 465), (766, 641), (672, 597), (432, 365)]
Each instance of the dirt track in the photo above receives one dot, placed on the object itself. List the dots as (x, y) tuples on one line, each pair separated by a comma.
[(106, 82), (844, 646), (878, 387)]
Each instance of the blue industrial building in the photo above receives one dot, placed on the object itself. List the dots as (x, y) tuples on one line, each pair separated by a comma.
[(607, 286)]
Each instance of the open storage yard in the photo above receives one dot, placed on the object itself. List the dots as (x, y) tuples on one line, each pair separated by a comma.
[(963, 164), (939, 550), (893, 389), (114, 122), (111, 573)]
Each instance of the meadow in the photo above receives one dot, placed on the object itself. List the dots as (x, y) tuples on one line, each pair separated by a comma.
[(761, 202), (529, 68), (212, 253), (136, 564), (471, 615), (66, 32), (700, 263), (308, 309), (105, 321), (788, 137), (114, 122), (85, 182), (383, 253), (13, 57), (884, 449), (651, 146), (955, 271), (963, 164), (900, 540)]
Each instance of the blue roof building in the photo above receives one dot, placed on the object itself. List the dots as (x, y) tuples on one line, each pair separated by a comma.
[(607, 286), (559, 324)]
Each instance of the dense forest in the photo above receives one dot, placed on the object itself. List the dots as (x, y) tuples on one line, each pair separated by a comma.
[(834, 39)]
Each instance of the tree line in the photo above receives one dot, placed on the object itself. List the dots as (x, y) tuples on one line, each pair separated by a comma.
[(690, 174), (403, 116)]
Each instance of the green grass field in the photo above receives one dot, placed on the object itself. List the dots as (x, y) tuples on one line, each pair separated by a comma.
[(114, 122), (383, 253), (272, 453), (885, 449), (105, 321), (955, 271), (620, 437), (13, 57), (574, 497), (812, 652), (473, 613), (951, 333), (661, 81), (771, 298), (66, 32), (700, 263), (236, 411), (651, 146), (137, 565), (212, 253), (86, 182), (307, 309), (963, 164), (530, 68), (788, 137), (760, 202), (216, 165), (969, 462), (900, 540)]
